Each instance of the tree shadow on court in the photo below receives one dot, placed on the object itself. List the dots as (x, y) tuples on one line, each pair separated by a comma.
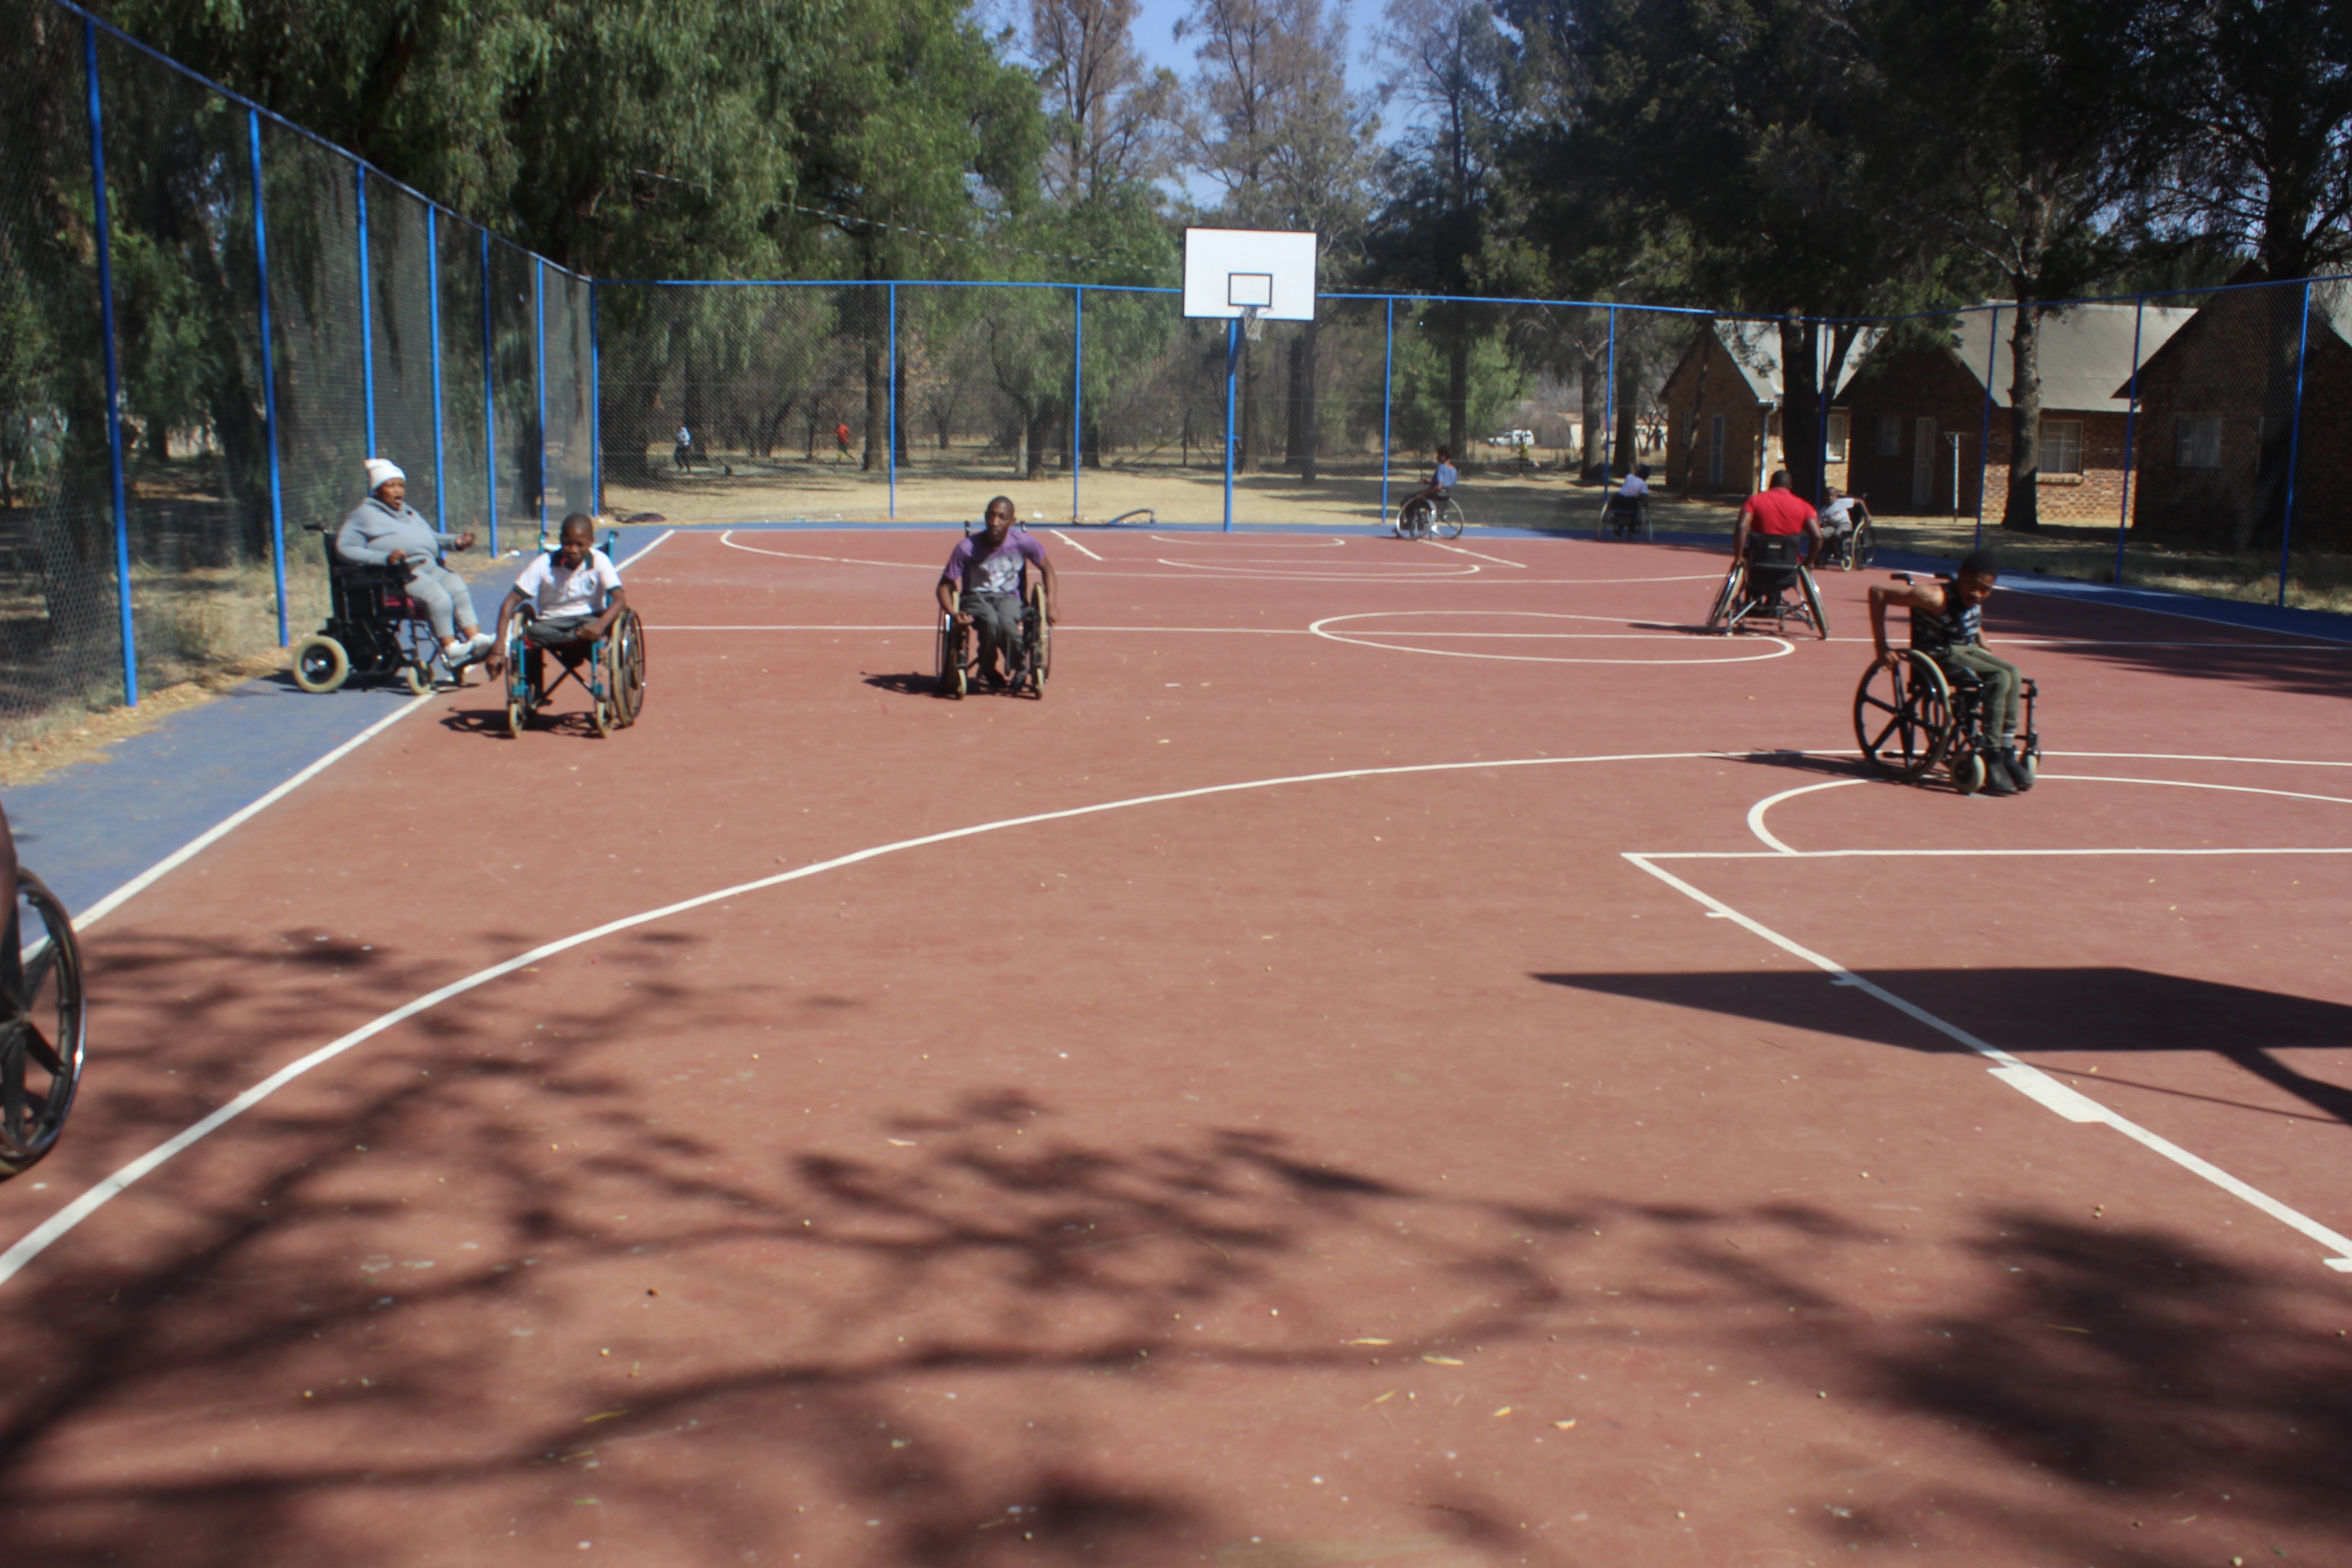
[(2162, 646), (387, 1321), (2100, 1010)]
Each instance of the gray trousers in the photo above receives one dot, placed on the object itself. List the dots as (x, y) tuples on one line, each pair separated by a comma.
[(449, 603), (1999, 677), (997, 619)]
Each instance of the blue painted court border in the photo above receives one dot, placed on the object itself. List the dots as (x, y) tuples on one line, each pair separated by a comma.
[(91, 828)]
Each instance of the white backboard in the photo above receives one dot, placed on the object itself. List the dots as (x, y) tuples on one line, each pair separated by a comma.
[(1228, 268)]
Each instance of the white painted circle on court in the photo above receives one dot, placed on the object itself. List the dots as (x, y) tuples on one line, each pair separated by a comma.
[(1700, 650)]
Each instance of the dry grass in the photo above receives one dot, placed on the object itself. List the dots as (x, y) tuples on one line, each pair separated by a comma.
[(68, 739)]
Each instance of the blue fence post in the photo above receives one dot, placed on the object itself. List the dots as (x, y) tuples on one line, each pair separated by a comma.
[(113, 366), (489, 399), (2131, 423), (596, 409), (890, 391), (1984, 436), (1609, 417), (1232, 358), (1078, 397), (367, 315), (1388, 402), (433, 314), (539, 337), (2294, 440), (268, 378)]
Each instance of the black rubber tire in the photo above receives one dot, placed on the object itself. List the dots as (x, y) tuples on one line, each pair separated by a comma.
[(1967, 770), (1813, 604), (320, 663), (1718, 620), (1861, 547), (45, 1037), (1915, 713), (628, 684)]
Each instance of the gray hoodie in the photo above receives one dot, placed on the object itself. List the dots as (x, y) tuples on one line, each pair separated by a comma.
[(374, 531)]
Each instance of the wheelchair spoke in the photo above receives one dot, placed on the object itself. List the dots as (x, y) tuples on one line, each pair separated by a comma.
[(37, 1047)]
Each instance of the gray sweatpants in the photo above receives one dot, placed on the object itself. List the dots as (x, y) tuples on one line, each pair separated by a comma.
[(449, 603), (1999, 678), (997, 619)]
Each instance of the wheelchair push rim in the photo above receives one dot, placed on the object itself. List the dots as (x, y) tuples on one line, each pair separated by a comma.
[(1903, 717), (948, 657), (1448, 521), (44, 1038)]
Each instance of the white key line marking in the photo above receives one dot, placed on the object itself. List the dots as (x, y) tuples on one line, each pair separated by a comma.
[(2020, 1076), (1074, 544)]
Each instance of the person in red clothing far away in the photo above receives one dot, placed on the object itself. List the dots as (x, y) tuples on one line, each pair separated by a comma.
[(841, 440), (1776, 509)]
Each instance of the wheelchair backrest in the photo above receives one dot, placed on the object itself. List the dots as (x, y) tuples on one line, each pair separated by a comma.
[(1774, 550)]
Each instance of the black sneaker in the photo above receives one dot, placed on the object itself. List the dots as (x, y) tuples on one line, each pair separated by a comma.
[(1999, 780), (2018, 770)]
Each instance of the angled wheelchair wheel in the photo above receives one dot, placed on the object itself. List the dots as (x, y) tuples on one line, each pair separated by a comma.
[(518, 679), (320, 663), (1447, 520), (1813, 604), (1041, 641), (1903, 717), (1861, 547), (949, 656), (627, 684), (1727, 599), (44, 1034)]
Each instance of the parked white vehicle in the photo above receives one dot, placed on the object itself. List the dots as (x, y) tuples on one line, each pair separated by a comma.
[(1513, 439)]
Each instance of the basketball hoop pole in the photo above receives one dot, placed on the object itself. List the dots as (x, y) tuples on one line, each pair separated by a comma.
[(1232, 358)]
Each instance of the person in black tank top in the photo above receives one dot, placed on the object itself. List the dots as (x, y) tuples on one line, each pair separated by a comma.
[(1948, 621)]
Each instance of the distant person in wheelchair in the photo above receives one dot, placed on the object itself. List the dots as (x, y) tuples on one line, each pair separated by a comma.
[(386, 530), (1628, 508), (1948, 627), (573, 594), (984, 584), (1416, 518)]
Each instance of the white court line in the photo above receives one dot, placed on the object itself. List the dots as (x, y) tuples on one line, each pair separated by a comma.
[(1756, 813), (1780, 649), (2028, 1080), (666, 535), (727, 539), (1059, 628), (1074, 544), (1274, 541), (2119, 849), (41, 1236), (1496, 559)]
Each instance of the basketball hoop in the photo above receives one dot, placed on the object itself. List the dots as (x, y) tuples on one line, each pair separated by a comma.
[(1252, 323)]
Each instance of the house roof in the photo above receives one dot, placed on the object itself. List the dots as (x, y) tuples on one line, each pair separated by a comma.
[(2331, 310), (2085, 354), (1755, 350)]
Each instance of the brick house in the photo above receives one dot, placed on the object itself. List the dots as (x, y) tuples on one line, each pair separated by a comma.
[(1726, 392), (2205, 398), (1910, 398)]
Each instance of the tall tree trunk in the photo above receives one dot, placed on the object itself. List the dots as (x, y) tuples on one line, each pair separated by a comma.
[(2023, 508), (1801, 406), (1593, 384), (2264, 520), (1039, 429), (1698, 409), (1623, 445), (1458, 384)]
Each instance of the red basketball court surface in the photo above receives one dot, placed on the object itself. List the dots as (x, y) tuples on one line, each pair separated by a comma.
[(1407, 1055)]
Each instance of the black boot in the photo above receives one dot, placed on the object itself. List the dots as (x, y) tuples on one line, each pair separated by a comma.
[(2019, 770), (1999, 780)]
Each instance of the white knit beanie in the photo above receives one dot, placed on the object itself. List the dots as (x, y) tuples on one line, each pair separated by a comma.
[(381, 472)]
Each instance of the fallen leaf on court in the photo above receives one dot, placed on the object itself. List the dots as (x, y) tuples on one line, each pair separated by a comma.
[(1441, 1360), (1563, 1425), (902, 1142), (608, 1415), (2065, 1330), (1369, 1342), (1505, 1410), (1384, 1398)]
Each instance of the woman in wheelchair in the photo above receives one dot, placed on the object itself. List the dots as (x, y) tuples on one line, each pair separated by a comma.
[(386, 530), (1948, 627)]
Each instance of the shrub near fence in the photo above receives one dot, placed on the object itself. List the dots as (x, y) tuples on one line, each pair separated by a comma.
[(209, 318)]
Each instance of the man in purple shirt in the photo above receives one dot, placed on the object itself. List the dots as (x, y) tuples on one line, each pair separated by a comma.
[(984, 583)]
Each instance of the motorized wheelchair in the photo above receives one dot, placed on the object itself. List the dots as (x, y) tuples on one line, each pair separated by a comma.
[(44, 1025), (611, 671), (958, 651), (1770, 583), (373, 630), (1921, 712)]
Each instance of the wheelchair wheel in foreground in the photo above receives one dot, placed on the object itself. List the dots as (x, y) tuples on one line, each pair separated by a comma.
[(1813, 604), (518, 676), (320, 663), (949, 658), (628, 683), (1041, 641), (1718, 620), (1903, 717), (1448, 521), (45, 1032), (417, 678)]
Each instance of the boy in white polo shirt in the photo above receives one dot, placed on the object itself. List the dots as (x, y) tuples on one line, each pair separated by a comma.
[(562, 587)]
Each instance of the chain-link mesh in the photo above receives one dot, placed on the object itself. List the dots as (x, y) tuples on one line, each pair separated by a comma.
[(466, 477), (60, 653)]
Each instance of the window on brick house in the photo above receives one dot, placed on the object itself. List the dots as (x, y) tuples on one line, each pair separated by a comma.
[(2197, 442), (2062, 446), (1840, 432), (1890, 435)]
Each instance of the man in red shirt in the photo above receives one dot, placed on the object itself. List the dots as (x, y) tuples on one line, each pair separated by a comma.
[(1777, 510)]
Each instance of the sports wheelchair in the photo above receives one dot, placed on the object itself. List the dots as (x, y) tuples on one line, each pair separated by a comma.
[(957, 652), (1771, 582), (611, 670), (1919, 713), (44, 1024), (1423, 517), (373, 630), (1624, 517)]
